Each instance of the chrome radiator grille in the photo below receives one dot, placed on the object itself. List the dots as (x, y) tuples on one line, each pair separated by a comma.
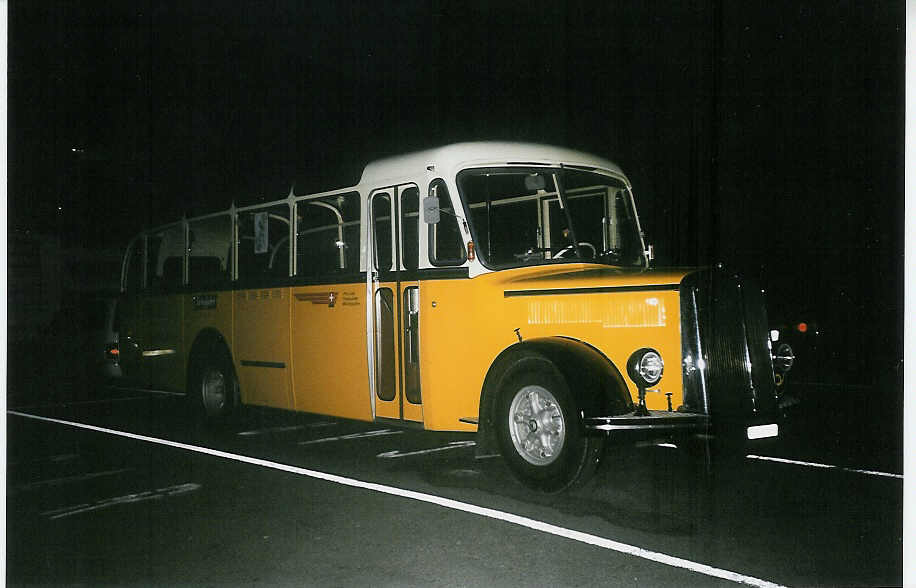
[(727, 367)]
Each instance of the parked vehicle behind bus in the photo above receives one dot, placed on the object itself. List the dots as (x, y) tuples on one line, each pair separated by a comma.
[(502, 289)]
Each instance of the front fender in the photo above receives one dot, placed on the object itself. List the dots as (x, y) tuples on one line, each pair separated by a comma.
[(595, 382)]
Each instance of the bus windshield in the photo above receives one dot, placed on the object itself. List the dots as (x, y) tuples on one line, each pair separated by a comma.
[(529, 216)]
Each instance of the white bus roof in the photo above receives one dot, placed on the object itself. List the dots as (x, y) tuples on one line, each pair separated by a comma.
[(449, 159)]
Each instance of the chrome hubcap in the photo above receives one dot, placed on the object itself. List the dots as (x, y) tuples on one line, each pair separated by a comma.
[(213, 391), (536, 425)]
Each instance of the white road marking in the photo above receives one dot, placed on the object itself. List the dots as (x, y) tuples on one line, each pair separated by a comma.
[(68, 480), (378, 433), (63, 457), (149, 391), (452, 445), (80, 402), (269, 430), (824, 466), (52, 458), (809, 464), (156, 494), (105, 400), (510, 518), (645, 444)]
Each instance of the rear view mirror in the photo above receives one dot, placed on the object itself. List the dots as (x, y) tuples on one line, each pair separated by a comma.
[(431, 211)]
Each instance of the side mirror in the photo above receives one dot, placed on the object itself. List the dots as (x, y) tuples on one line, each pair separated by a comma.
[(431, 212)]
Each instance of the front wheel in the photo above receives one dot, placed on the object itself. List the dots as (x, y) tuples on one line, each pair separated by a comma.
[(539, 432)]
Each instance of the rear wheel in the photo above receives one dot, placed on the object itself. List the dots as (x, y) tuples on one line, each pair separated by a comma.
[(213, 387), (539, 430)]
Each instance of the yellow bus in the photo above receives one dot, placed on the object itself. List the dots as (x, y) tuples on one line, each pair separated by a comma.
[(502, 289)]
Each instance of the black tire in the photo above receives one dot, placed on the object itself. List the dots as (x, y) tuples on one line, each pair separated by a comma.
[(213, 387), (538, 427)]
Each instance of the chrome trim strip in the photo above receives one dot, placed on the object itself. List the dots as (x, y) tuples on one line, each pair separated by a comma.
[(703, 396), (158, 352), (646, 427), (657, 419), (595, 290)]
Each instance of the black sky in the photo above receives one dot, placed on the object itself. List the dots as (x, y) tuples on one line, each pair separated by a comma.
[(766, 135)]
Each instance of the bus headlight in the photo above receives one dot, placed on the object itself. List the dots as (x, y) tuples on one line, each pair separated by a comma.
[(783, 359), (645, 367)]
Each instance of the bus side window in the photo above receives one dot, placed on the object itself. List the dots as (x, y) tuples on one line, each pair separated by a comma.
[(381, 216), (446, 246), (327, 236), (263, 243), (133, 280), (410, 227), (165, 259), (209, 263)]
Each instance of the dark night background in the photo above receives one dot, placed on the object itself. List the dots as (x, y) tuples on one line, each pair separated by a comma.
[(768, 136)]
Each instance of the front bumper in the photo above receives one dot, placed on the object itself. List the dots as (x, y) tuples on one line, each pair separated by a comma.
[(661, 422), (658, 420)]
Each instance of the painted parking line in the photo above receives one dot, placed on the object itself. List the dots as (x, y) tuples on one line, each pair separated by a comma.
[(157, 494), (450, 446), (809, 464), (67, 480), (270, 430), (51, 458), (826, 466), (521, 521), (80, 402), (367, 434), (286, 429), (105, 400), (148, 391)]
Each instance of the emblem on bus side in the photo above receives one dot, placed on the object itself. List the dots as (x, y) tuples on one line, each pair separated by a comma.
[(329, 298), (204, 301), (350, 299)]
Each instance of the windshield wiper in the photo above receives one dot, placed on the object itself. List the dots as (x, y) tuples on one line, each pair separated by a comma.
[(561, 195)]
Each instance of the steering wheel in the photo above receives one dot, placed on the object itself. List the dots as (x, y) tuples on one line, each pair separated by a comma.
[(569, 248)]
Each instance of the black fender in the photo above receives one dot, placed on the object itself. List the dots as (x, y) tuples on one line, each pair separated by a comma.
[(208, 343), (595, 382)]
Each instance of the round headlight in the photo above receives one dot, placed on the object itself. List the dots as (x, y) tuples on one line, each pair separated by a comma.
[(645, 367), (784, 358)]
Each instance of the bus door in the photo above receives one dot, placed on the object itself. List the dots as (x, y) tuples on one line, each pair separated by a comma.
[(162, 311), (396, 302)]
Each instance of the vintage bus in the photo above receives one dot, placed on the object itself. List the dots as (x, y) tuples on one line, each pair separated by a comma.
[(502, 289)]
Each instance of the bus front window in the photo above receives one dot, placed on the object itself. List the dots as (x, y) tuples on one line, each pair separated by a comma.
[(548, 215)]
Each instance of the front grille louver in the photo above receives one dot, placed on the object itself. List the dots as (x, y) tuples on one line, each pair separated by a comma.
[(724, 323)]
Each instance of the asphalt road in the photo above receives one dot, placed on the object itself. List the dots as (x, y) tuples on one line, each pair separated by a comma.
[(286, 499)]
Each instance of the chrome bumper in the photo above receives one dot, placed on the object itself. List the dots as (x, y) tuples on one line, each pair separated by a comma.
[(658, 420)]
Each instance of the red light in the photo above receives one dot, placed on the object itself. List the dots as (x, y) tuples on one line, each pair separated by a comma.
[(802, 327), (471, 250)]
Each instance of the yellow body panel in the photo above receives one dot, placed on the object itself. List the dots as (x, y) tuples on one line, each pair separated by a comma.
[(330, 373), (467, 323), (305, 347), (260, 346)]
